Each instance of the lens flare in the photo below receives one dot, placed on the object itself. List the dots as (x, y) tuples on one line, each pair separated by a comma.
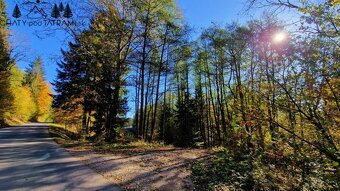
[(279, 37)]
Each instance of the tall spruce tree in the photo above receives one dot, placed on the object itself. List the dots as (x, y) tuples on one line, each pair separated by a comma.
[(76, 97), (117, 31), (103, 52)]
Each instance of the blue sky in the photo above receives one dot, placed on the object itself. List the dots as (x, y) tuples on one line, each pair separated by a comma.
[(197, 13)]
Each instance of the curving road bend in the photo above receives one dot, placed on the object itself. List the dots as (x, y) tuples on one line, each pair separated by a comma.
[(30, 160)]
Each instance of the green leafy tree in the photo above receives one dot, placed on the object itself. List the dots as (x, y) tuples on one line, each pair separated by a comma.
[(158, 20), (316, 16)]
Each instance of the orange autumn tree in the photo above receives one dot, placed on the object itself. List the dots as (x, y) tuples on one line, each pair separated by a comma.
[(41, 91), (44, 102), (32, 96)]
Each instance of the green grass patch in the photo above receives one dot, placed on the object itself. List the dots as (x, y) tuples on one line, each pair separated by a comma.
[(71, 138), (65, 137), (134, 145)]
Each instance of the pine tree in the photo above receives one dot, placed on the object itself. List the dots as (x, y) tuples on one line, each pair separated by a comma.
[(55, 12), (98, 79), (70, 80), (61, 7), (16, 12), (68, 13), (75, 99)]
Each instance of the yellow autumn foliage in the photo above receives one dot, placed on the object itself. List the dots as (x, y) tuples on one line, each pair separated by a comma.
[(44, 102), (23, 107)]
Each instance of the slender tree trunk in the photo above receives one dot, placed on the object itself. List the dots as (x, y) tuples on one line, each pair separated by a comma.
[(144, 52), (158, 84), (214, 108), (164, 104), (137, 104), (145, 128)]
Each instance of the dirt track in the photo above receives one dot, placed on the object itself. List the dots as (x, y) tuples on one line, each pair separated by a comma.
[(151, 169)]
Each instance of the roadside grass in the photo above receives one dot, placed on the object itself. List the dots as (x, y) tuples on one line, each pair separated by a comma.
[(64, 137), (11, 122), (68, 137), (133, 147)]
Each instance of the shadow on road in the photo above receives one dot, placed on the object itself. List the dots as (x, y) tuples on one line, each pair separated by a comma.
[(30, 160)]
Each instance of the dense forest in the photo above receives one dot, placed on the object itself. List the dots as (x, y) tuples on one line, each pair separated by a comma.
[(266, 96)]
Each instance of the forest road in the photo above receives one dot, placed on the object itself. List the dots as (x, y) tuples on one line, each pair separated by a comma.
[(30, 160)]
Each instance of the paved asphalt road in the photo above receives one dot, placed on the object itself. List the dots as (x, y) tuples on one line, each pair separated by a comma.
[(30, 160)]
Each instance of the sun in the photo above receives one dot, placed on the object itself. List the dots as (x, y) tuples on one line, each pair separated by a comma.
[(279, 37)]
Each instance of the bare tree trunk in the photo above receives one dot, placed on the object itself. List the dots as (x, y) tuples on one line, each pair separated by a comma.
[(144, 52), (145, 130), (158, 84)]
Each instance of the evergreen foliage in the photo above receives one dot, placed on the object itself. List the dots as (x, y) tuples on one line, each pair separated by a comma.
[(101, 82)]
